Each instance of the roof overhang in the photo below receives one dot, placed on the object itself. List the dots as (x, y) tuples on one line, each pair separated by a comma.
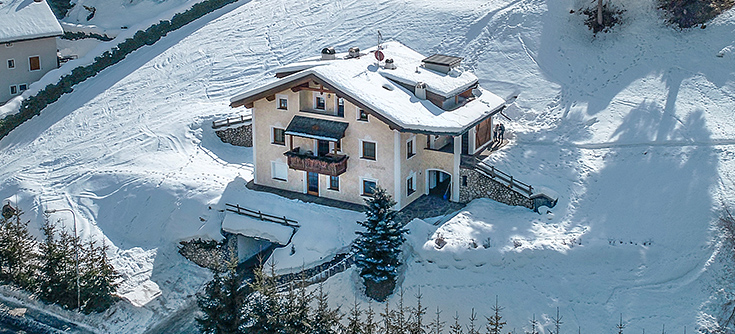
[(316, 128)]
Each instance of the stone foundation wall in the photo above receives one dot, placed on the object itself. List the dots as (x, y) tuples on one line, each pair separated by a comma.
[(239, 136), (481, 186), (209, 254)]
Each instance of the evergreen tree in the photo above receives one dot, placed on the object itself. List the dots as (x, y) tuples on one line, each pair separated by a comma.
[(222, 303), (471, 329), (261, 315), (456, 328), (494, 322), (325, 320), (301, 317), (378, 247), (370, 325), (437, 326), (534, 325), (386, 327), (399, 318), (18, 257), (57, 271), (99, 280), (417, 316), (354, 320), (556, 321)]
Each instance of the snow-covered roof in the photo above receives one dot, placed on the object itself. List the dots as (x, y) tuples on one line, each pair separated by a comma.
[(256, 228), (27, 19), (368, 85)]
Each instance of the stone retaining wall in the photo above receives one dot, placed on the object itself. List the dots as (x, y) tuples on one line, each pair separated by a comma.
[(481, 186), (209, 254), (239, 136)]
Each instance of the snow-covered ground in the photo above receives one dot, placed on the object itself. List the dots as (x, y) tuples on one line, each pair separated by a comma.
[(632, 129)]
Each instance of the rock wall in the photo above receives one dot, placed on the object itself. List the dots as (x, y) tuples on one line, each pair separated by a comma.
[(480, 186), (209, 254), (239, 136)]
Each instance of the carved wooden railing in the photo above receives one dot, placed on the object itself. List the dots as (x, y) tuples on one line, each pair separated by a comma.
[(330, 164)]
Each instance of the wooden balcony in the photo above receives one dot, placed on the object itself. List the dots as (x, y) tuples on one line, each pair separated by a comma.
[(330, 164)]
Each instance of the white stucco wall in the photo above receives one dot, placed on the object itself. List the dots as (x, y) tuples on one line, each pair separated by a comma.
[(20, 52)]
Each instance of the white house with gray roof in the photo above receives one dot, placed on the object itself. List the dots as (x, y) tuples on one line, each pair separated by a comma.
[(338, 125), (28, 31)]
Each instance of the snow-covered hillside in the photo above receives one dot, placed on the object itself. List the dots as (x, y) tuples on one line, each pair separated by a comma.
[(632, 129)]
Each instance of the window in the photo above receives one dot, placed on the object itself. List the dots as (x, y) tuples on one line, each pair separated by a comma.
[(410, 148), (282, 103), (334, 183), (279, 136), (13, 89), (320, 103), (368, 150), (11, 63), (368, 187), (362, 115), (409, 186), (279, 171), (22, 87), (8, 45), (340, 107), (34, 63), (464, 180)]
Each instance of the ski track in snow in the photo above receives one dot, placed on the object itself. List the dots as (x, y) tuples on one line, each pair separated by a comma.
[(630, 128)]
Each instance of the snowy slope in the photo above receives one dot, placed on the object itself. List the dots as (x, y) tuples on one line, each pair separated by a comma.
[(631, 128)]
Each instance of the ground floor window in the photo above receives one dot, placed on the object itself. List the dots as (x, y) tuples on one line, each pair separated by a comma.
[(410, 188), (279, 171), (13, 89), (334, 183), (368, 187)]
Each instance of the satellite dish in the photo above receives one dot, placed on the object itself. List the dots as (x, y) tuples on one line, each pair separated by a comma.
[(379, 55)]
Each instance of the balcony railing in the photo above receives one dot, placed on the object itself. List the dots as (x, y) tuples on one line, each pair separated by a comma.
[(330, 164)]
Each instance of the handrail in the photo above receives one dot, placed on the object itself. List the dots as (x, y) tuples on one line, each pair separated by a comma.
[(507, 178), (262, 216), (231, 121)]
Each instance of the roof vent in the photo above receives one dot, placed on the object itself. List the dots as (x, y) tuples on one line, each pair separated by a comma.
[(38, 0), (328, 53), (442, 63), (389, 64), (354, 52), (420, 90)]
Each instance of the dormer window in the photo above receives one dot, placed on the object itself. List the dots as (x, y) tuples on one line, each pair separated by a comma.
[(320, 103), (362, 115), (283, 103)]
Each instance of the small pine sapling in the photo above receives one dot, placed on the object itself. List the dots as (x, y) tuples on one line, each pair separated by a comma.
[(354, 319), (437, 326), (456, 327), (471, 329), (556, 321)]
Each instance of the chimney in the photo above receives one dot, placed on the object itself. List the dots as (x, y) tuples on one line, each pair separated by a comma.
[(328, 53), (354, 52), (420, 91), (389, 65)]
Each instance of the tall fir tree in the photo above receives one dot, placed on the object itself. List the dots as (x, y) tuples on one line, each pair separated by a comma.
[(354, 320), (556, 322), (99, 280), (18, 256), (57, 272), (495, 322), (222, 303), (436, 326), (262, 310), (370, 325), (471, 328), (456, 327), (325, 320), (378, 247), (417, 325)]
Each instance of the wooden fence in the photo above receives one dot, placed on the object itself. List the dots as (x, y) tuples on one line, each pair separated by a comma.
[(231, 121), (502, 177)]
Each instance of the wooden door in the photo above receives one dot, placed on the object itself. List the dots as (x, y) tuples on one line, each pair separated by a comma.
[(312, 183)]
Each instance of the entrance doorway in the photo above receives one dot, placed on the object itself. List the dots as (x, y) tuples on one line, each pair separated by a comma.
[(312, 183), (438, 183)]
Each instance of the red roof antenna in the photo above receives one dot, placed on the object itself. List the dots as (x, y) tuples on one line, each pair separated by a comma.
[(379, 54)]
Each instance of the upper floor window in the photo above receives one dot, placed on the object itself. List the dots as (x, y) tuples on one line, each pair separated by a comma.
[(282, 103), (410, 149), (279, 136), (320, 103), (362, 115), (11, 63), (368, 150), (340, 107), (34, 63)]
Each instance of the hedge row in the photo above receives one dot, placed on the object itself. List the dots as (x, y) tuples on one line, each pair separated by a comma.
[(33, 105), (73, 36)]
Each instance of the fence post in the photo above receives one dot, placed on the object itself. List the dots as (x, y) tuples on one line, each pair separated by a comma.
[(260, 214), (511, 182)]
